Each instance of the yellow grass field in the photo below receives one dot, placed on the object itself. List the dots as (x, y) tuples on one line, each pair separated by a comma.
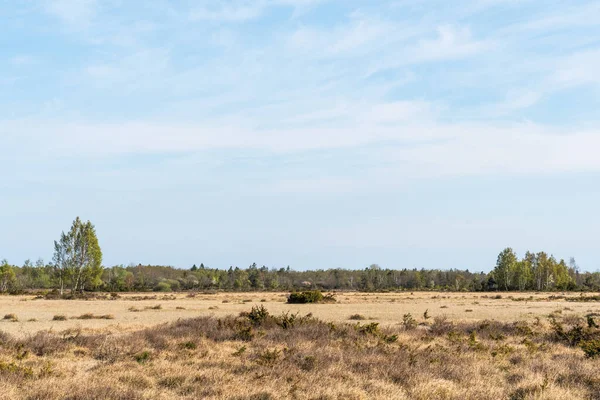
[(252, 346), (385, 308)]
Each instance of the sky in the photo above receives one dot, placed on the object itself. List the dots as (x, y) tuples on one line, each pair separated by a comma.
[(309, 133)]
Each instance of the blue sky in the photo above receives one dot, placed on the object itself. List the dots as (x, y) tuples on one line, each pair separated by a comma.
[(309, 133)]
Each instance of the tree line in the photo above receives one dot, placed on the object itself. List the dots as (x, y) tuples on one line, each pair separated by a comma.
[(77, 266), (537, 271)]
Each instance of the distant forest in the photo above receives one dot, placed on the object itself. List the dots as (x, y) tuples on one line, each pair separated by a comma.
[(535, 271)]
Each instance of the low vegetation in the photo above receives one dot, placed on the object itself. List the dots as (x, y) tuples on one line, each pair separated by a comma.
[(258, 355), (309, 296), (92, 316)]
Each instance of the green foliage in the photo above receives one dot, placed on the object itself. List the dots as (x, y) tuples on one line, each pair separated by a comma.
[(357, 317), (591, 348), (535, 271), (287, 320), (15, 370), (143, 357), (162, 287), (268, 357), (78, 257), (574, 335), (311, 296), (189, 345), (245, 334), (409, 322), (369, 329), (258, 315), (505, 268), (239, 351), (7, 277)]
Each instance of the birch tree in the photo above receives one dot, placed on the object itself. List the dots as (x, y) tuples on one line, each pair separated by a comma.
[(78, 257)]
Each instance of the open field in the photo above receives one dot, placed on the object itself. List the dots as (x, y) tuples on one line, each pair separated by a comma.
[(468, 346), (130, 313)]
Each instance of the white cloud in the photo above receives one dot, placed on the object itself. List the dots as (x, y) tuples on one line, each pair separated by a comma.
[(22, 60), (244, 10), (397, 112), (77, 13), (451, 43), (413, 148), (578, 69), (137, 70), (229, 11)]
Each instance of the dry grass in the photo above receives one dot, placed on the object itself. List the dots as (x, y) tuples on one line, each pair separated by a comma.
[(258, 355), (386, 308), (422, 346)]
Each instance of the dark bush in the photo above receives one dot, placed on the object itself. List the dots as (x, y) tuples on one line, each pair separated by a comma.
[(309, 296), (357, 317), (591, 348)]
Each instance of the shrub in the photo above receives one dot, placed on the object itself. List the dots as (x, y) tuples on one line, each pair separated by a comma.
[(59, 317), (142, 357), (287, 320), (239, 351), (258, 315), (11, 318), (268, 357), (309, 296), (357, 317), (308, 363), (591, 348), (189, 345), (92, 316), (244, 334), (573, 336), (369, 329), (162, 287), (409, 322), (441, 326)]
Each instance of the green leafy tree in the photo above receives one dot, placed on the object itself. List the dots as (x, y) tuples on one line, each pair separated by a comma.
[(505, 268), (78, 257), (522, 276), (7, 276)]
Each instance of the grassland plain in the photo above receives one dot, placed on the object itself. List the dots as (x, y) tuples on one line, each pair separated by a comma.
[(420, 345)]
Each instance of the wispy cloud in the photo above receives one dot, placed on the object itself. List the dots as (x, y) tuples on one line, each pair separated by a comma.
[(76, 13), (22, 60), (228, 11)]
